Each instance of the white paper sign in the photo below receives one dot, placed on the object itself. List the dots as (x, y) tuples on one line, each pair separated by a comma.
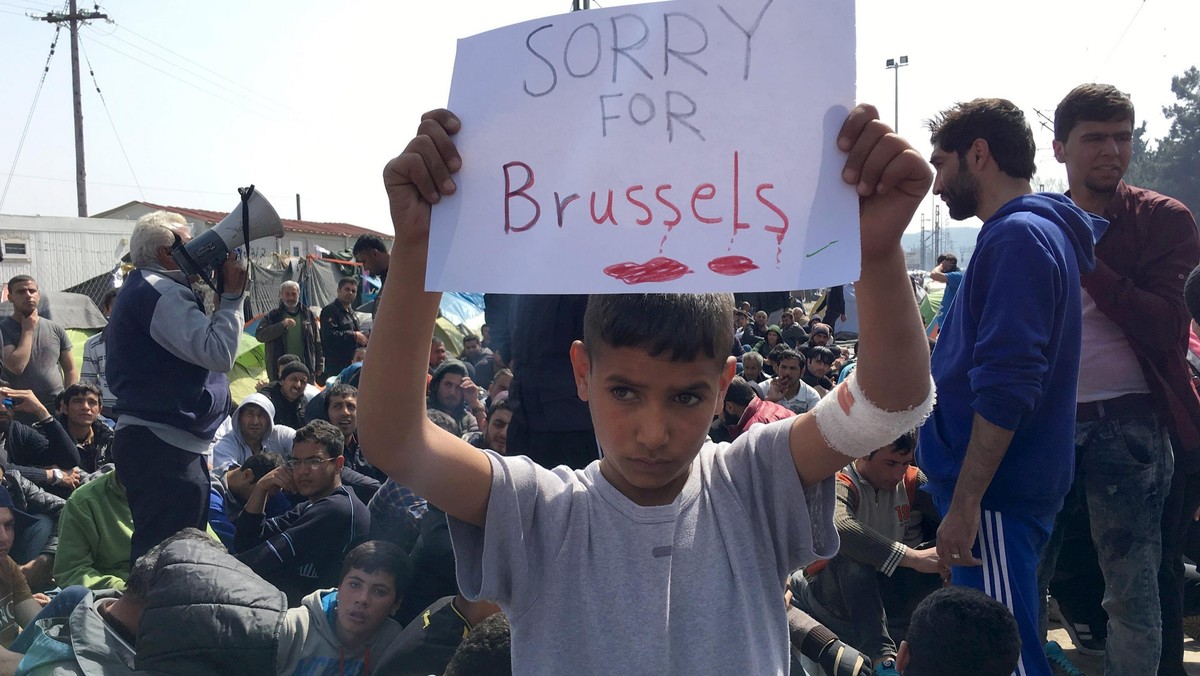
[(674, 146)]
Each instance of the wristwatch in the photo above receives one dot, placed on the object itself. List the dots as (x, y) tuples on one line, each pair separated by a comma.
[(57, 475)]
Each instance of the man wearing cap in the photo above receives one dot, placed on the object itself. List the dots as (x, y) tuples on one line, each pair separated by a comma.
[(18, 606), (291, 328), (167, 362), (287, 394)]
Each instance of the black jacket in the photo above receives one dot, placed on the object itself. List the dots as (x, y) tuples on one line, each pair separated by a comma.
[(207, 613), (96, 453), (337, 337), (28, 497), (30, 450)]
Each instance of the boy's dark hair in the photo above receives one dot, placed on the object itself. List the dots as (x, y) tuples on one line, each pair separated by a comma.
[(80, 389), (791, 354), (19, 279), (261, 463), (368, 242), (108, 298), (740, 392), (486, 651), (960, 630), (905, 444), (472, 336), (376, 556), (682, 326), (445, 368), (347, 280), (821, 353), (442, 420), (1091, 103), (997, 121), (322, 432), (285, 359), (777, 352), (144, 570), (1191, 293)]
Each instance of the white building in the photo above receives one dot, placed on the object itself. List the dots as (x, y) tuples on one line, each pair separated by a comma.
[(300, 238), (60, 252)]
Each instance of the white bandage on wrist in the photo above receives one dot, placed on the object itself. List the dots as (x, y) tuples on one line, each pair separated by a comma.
[(854, 426)]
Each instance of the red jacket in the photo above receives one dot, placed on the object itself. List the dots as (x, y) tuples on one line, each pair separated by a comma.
[(759, 411), (1141, 263)]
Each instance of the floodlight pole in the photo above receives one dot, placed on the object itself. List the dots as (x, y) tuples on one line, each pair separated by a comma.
[(895, 65)]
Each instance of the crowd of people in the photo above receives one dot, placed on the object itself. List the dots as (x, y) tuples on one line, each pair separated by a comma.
[(586, 486)]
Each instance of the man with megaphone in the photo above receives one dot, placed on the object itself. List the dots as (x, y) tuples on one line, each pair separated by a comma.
[(167, 361)]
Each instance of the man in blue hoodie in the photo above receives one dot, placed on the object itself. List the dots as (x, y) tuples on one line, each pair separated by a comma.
[(999, 447), (167, 360)]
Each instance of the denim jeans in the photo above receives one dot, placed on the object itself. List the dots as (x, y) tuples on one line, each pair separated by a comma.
[(1123, 471)]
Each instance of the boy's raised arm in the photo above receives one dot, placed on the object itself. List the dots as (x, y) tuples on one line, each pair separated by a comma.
[(395, 434), (892, 179)]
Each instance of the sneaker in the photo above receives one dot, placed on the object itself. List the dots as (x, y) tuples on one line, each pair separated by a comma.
[(1086, 641), (1059, 662)]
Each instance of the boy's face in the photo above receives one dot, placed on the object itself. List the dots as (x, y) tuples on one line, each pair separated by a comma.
[(343, 412), (83, 409), (651, 415), (365, 600)]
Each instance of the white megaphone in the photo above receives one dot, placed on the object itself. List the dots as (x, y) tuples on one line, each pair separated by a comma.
[(253, 218)]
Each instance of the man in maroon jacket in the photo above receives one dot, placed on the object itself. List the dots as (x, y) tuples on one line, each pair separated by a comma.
[(1135, 486), (743, 408)]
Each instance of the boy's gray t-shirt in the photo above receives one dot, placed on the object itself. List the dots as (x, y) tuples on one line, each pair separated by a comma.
[(594, 584)]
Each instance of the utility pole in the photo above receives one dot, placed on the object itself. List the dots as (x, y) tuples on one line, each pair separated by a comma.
[(895, 65), (74, 17)]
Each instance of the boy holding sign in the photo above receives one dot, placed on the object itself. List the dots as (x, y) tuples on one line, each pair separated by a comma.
[(669, 554)]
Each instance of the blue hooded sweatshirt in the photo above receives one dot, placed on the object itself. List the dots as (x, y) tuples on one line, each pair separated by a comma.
[(1009, 351)]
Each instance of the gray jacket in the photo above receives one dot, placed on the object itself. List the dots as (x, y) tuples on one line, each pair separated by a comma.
[(80, 644)]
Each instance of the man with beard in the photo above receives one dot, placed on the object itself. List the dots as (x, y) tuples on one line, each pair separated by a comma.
[(340, 334), (998, 448), (452, 392), (36, 353), (816, 369), (1134, 485), (787, 389), (495, 435), (744, 408), (291, 328), (287, 394), (250, 431)]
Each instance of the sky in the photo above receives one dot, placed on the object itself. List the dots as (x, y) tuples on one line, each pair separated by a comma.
[(314, 97)]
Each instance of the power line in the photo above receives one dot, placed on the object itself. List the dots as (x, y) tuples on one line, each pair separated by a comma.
[(117, 185), (120, 145), (29, 118), (245, 89), (1104, 64), (176, 77), (267, 100)]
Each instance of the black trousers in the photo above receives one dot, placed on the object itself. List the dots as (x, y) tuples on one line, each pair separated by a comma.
[(167, 487)]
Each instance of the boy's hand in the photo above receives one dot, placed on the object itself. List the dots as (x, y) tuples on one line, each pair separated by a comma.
[(420, 176), (890, 176)]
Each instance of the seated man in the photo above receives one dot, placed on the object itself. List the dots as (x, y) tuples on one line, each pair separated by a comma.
[(249, 431), (744, 408), (98, 634), (495, 435), (95, 531), (287, 394), (232, 489), (752, 368), (786, 388), (302, 550), (816, 369), (884, 568), (341, 409), (79, 414), (36, 542), (18, 606), (793, 333), (452, 392), (821, 335), (345, 630), (43, 452), (960, 630)]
